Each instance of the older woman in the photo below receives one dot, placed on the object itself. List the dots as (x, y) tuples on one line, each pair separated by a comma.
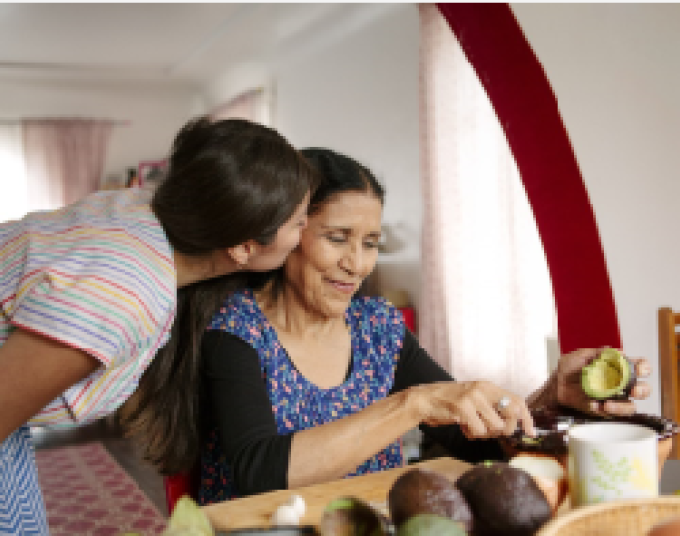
[(306, 383)]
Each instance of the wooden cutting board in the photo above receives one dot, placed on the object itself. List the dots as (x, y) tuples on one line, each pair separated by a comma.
[(257, 510)]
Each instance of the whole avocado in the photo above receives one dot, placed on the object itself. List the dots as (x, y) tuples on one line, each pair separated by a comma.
[(430, 525), (422, 491), (504, 500), (350, 516)]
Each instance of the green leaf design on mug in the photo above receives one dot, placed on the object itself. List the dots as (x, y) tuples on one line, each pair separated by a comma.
[(612, 474)]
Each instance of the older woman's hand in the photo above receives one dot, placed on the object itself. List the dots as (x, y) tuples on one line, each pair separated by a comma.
[(472, 405), (570, 393)]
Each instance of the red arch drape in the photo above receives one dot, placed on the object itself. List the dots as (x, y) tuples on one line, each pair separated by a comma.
[(527, 109)]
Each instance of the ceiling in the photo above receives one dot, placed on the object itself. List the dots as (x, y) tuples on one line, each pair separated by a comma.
[(175, 43)]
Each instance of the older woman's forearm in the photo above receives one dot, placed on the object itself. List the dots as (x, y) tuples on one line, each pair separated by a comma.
[(335, 449)]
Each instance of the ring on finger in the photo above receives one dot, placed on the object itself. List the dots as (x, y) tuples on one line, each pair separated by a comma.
[(503, 404)]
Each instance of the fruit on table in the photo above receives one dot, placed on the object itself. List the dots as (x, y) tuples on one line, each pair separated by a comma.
[(430, 525), (350, 516), (609, 376), (504, 500), (552, 425), (188, 519), (422, 491), (548, 473)]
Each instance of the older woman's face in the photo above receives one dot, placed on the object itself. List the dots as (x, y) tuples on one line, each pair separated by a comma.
[(337, 251)]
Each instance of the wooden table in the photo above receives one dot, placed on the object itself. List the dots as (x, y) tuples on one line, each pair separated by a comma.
[(256, 510)]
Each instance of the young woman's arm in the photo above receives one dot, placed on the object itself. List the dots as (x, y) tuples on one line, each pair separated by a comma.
[(34, 370)]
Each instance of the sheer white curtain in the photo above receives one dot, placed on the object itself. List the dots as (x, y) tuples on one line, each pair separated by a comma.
[(13, 188), (64, 159), (487, 307)]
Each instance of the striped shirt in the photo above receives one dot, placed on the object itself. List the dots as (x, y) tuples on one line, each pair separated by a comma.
[(98, 276)]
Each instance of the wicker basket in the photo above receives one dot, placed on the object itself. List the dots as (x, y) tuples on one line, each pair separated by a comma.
[(616, 518)]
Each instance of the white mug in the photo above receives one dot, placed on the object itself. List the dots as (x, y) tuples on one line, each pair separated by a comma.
[(610, 461)]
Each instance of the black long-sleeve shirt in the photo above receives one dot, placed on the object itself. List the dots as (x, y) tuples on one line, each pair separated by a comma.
[(240, 408)]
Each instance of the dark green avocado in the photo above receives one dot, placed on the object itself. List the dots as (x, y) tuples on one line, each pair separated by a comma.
[(350, 516), (422, 491), (430, 525), (504, 500)]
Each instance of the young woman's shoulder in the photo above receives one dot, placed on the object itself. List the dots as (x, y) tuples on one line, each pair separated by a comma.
[(98, 276)]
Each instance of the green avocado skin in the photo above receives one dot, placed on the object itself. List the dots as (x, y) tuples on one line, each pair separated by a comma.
[(350, 516), (622, 391), (430, 525)]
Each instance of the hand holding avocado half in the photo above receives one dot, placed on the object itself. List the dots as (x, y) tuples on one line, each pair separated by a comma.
[(601, 381)]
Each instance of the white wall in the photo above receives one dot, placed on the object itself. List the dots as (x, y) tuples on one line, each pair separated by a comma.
[(349, 82), (156, 112), (615, 69), (358, 94)]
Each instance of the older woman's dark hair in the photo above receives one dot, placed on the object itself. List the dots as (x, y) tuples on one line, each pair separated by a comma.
[(339, 173), (228, 182)]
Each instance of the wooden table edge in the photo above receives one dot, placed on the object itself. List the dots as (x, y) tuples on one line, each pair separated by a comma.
[(255, 511)]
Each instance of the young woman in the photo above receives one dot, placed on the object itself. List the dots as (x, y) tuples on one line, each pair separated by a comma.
[(89, 294)]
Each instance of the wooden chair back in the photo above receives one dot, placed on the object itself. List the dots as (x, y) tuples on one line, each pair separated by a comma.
[(669, 342)]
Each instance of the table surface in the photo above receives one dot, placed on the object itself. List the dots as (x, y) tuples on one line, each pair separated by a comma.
[(257, 510)]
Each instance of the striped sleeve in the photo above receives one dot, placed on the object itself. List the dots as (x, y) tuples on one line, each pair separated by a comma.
[(106, 289), (110, 309), (104, 292)]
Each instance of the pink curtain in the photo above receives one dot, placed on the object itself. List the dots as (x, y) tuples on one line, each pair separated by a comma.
[(64, 159), (13, 172)]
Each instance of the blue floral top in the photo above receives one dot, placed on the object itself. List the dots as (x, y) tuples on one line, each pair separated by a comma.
[(377, 332)]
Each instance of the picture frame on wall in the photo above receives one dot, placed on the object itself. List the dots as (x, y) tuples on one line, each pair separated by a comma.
[(151, 172)]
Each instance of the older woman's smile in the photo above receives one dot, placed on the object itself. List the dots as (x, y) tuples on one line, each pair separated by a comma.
[(345, 288)]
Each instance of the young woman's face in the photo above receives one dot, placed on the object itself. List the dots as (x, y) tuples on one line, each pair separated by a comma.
[(287, 238), (338, 250)]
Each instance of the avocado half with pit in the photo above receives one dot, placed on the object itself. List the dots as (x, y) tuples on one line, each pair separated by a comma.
[(610, 376)]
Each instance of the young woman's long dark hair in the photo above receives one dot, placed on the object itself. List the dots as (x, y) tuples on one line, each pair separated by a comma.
[(228, 182)]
